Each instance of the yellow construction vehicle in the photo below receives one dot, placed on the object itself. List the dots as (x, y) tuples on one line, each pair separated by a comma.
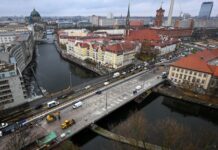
[(52, 117), (67, 123)]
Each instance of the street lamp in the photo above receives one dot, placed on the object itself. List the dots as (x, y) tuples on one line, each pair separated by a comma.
[(106, 100), (70, 80)]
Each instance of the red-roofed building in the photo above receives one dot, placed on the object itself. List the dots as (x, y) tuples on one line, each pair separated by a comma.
[(137, 24), (143, 35), (195, 71)]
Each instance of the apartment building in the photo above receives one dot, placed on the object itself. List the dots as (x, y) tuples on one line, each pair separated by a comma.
[(12, 90), (108, 53), (199, 70)]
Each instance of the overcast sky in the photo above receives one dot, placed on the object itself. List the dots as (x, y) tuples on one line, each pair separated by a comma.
[(98, 7)]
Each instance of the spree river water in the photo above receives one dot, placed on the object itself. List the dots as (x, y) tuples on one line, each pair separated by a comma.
[(53, 73)]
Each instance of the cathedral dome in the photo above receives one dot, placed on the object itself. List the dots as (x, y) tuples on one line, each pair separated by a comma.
[(34, 13)]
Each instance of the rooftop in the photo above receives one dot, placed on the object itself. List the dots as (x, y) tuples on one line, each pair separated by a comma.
[(144, 34), (200, 62)]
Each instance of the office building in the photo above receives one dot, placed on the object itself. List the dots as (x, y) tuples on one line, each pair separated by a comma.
[(205, 11)]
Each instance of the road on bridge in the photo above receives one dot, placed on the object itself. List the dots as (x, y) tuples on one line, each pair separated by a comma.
[(96, 106)]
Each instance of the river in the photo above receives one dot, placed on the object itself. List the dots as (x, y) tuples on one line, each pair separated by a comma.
[(53, 73)]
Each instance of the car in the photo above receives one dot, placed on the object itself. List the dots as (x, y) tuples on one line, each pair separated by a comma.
[(124, 73), (106, 83), (98, 92), (77, 104), (87, 87), (135, 91), (39, 106), (3, 125), (62, 96)]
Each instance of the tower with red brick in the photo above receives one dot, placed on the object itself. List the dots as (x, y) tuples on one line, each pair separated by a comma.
[(159, 17)]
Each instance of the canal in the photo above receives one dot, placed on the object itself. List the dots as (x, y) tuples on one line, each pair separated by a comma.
[(53, 73)]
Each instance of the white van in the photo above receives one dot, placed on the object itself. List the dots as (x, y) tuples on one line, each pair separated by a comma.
[(106, 83), (77, 104), (52, 104)]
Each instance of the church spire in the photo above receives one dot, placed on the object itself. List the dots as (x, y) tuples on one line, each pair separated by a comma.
[(127, 19)]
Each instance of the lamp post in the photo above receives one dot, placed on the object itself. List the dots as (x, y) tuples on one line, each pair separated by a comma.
[(106, 101)]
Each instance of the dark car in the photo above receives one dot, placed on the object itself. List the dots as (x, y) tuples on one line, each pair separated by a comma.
[(98, 92), (39, 106), (134, 92)]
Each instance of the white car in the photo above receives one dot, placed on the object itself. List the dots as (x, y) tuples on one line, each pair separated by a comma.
[(106, 83), (3, 125), (87, 87)]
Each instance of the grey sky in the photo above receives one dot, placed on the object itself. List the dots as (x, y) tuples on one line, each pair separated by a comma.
[(98, 7)]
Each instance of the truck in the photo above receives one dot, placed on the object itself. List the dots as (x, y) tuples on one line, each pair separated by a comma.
[(116, 74), (67, 123), (77, 104), (52, 104)]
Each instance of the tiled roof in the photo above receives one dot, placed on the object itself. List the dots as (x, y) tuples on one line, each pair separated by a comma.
[(199, 62), (120, 47), (136, 23), (144, 34)]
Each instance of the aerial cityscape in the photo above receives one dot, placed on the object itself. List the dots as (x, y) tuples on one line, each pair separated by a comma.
[(109, 75)]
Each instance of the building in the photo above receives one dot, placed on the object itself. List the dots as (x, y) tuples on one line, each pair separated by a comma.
[(197, 72), (105, 22), (205, 11), (34, 17), (184, 23), (206, 23), (94, 20), (174, 33), (105, 52), (12, 89), (159, 17), (7, 37), (143, 35), (136, 24)]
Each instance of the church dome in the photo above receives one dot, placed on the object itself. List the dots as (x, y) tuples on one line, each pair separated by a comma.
[(34, 13)]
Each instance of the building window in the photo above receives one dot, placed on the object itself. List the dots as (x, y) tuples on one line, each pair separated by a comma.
[(198, 80), (190, 72), (199, 74), (182, 70), (205, 75), (180, 76), (185, 77), (193, 79), (203, 81), (195, 73), (189, 78), (186, 71), (176, 75), (178, 69), (173, 74)]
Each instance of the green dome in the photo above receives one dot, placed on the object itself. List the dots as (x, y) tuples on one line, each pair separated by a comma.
[(34, 13)]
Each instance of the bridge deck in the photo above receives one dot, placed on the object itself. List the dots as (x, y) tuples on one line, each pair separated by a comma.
[(95, 106)]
